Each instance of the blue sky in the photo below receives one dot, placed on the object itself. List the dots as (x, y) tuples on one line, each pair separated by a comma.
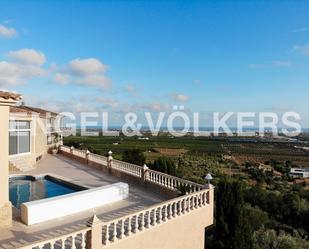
[(141, 55)]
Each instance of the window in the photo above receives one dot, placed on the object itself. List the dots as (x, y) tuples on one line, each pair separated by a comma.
[(19, 135)]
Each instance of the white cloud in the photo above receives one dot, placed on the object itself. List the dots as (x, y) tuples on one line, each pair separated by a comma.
[(27, 56), (179, 97), (62, 78), (87, 66), (12, 74), (23, 65), (281, 63), (303, 49), (94, 80), (87, 72), (7, 32)]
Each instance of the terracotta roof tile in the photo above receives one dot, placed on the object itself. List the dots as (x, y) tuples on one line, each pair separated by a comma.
[(10, 96), (17, 109), (31, 110)]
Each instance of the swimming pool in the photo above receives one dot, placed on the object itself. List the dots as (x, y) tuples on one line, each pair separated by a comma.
[(29, 188)]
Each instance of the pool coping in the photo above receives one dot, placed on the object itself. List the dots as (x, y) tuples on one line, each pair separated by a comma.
[(66, 180)]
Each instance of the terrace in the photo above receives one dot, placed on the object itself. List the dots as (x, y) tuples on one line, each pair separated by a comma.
[(154, 198)]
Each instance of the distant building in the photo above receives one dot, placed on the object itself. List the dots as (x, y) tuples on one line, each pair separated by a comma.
[(300, 172)]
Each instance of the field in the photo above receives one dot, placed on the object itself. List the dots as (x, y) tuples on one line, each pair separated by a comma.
[(174, 147)]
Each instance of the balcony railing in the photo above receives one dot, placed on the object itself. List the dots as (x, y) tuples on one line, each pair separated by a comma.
[(101, 234)]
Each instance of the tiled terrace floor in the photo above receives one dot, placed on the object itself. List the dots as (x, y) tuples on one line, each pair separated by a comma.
[(84, 175)]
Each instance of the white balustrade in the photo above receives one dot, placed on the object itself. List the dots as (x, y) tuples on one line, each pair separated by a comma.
[(97, 159), (71, 241), (164, 180), (196, 196), (128, 168), (79, 153), (153, 216)]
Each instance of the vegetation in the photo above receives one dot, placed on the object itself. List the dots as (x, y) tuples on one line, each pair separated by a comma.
[(135, 156), (232, 223), (165, 165), (258, 205)]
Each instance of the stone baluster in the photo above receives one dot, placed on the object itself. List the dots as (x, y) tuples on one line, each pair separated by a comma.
[(190, 203), (156, 216), (184, 206), (148, 219), (106, 235), (62, 241), (203, 198), (129, 227), (53, 244), (83, 241), (179, 207), (170, 211), (175, 210), (200, 199), (135, 225), (121, 231), (73, 243), (165, 213), (142, 221), (114, 232)]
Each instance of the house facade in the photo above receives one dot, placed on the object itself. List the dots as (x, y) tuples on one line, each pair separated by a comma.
[(32, 132)]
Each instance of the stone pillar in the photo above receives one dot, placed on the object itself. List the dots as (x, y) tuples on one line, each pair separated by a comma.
[(94, 236), (145, 173), (109, 161), (5, 205), (87, 156), (6, 100)]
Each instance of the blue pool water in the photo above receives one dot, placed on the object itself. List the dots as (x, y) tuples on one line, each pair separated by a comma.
[(27, 188)]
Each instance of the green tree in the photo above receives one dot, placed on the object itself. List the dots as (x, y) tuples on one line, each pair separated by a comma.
[(165, 165), (134, 156), (268, 239), (232, 230)]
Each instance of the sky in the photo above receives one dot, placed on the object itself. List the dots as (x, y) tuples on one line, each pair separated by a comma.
[(121, 56)]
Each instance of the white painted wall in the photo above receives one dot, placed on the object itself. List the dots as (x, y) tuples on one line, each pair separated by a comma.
[(48, 209)]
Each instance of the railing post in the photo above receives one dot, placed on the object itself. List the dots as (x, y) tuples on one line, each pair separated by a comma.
[(109, 161), (87, 156), (71, 149), (145, 173), (94, 236)]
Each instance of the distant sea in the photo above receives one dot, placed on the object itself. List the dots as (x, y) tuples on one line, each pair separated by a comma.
[(165, 129)]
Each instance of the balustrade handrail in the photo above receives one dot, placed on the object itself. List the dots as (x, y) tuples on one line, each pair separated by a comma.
[(97, 155), (139, 169), (64, 237), (176, 178), (161, 204), (155, 215), (126, 163)]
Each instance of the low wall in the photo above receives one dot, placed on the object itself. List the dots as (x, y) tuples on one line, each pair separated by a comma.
[(162, 184), (56, 207), (185, 232)]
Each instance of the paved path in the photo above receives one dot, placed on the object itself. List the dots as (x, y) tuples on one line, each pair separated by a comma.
[(81, 174)]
